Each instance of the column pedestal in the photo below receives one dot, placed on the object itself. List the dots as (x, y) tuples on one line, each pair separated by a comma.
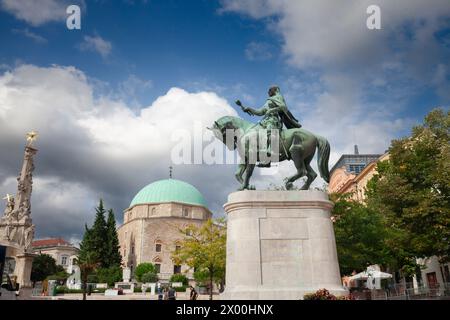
[(24, 262), (280, 245)]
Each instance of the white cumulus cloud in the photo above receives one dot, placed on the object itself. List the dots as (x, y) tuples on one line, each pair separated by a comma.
[(91, 148), (36, 12)]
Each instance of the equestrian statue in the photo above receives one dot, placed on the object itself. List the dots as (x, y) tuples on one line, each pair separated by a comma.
[(260, 144)]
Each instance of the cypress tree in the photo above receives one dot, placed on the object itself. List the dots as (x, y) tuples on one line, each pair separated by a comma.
[(114, 257), (99, 235), (87, 248)]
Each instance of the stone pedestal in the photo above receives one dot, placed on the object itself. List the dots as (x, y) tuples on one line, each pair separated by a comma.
[(24, 262), (126, 274), (280, 245)]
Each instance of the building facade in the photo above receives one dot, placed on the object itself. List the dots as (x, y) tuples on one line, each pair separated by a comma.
[(342, 180), (63, 252), (152, 225)]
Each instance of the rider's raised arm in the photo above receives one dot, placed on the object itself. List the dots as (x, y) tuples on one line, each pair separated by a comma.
[(259, 112)]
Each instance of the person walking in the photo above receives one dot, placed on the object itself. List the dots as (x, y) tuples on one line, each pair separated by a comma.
[(194, 294), (172, 294)]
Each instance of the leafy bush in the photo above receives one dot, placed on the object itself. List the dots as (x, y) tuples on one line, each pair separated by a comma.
[(109, 275), (149, 277), (60, 276), (139, 289), (180, 289), (179, 278), (43, 266), (321, 294), (142, 269), (92, 278), (64, 289)]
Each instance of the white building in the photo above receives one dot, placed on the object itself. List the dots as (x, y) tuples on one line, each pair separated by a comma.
[(62, 251)]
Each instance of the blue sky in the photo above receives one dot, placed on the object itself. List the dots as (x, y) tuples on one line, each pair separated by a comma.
[(101, 97), (171, 43)]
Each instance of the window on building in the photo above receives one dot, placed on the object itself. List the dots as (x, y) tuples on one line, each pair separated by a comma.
[(132, 249), (446, 274), (130, 216), (185, 212), (356, 168), (158, 247), (176, 269), (153, 211), (64, 260), (158, 267)]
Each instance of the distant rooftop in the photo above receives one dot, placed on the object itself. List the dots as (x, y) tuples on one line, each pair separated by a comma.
[(355, 163), (50, 243)]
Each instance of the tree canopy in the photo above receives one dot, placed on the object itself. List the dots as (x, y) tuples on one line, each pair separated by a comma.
[(204, 250), (44, 266), (412, 189), (407, 213)]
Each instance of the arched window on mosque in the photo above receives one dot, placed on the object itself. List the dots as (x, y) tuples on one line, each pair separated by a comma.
[(157, 263), (185, 212), (153, 211), (158, 245)]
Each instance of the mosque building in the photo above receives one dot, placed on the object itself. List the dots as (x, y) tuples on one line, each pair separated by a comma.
[(151, 225)]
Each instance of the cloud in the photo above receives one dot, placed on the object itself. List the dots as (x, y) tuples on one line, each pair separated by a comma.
[(332, 32), (33, 36), (348, 83), (258, 51), (36, 13), (131, 87), (93, 146), (96, 44)]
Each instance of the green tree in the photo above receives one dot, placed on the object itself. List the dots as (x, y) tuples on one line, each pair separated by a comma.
[(204, 249), (179, 278), (149, 277), (88, 258), (411, 191), (88, 263), (142, 269), (109, 275), (99, 236), (361, 235), (114, 258), (43, 266)]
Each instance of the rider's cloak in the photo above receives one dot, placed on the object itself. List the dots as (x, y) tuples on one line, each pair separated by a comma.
[(285, 115)]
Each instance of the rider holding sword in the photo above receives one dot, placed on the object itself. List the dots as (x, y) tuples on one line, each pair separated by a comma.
[(275, 113)]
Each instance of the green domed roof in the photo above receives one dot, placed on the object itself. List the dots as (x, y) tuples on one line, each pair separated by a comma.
[(169, 190)]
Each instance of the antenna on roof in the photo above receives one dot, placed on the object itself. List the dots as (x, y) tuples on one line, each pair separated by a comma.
[(356, 149), (170, 172)]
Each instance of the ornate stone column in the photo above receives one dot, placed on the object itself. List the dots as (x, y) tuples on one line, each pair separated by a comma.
[(16, 227)]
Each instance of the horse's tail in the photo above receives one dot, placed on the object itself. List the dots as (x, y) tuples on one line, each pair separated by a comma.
[(323, 157)]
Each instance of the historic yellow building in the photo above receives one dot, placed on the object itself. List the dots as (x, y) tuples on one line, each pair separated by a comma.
[(353, 179), (150, 230)]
